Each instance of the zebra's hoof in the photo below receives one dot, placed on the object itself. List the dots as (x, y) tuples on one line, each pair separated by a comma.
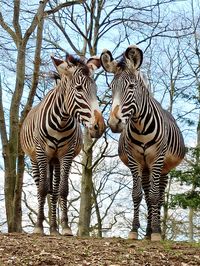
[(147, 237), (156, 237), (38, 231), (133, 235), (54, 233), (67, 232)]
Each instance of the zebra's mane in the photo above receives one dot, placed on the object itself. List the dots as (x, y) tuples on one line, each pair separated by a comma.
[(78, 62), (122, 63), (75, 61), (56, 76), (141, 76)]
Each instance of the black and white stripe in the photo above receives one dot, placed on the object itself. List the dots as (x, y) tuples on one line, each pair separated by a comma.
[(150, 144), (52, 137)]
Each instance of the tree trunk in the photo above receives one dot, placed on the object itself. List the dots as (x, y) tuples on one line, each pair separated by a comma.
[(13, 180), (13, 192), (98, 215), (191, 227), (13, 222), (86, 187), (166, 209), (12, 153)]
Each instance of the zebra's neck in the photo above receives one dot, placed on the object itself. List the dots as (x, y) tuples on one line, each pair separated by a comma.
[(59, 107), (145, 120)]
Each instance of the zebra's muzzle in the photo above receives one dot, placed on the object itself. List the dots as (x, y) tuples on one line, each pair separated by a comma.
[(116, 126), (115, 122), (98, 126)]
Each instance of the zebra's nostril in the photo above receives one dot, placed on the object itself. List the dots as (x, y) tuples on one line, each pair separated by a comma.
[(119, 121), (96, 127)]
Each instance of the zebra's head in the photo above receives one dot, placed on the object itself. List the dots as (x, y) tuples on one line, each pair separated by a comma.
[(126, 85), (80, 92)]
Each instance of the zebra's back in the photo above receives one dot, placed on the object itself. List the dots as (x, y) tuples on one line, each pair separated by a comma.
[(26, 133)]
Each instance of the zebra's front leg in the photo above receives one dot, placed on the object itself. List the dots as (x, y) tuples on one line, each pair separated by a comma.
[(64, 191), (36, 176), (154, 198), (54, 200), (137, 197), (40, 217), (146, 186)]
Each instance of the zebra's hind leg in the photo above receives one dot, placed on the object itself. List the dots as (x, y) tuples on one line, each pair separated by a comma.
[(137, 197), (54, 200)]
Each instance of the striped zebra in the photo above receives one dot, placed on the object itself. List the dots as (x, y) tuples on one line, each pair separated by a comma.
[(150, 143), (51, 134)]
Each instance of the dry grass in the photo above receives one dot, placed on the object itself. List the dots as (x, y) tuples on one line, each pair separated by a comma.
[(24, 249)]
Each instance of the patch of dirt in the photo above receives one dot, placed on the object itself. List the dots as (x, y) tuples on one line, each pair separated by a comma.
[(24, 249)]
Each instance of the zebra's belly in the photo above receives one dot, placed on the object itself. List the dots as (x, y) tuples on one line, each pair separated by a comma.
[(170, 162), (30, 151), (28, 146)]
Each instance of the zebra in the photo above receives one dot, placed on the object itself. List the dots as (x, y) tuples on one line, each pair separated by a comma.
[(51, 134), (150, 144)]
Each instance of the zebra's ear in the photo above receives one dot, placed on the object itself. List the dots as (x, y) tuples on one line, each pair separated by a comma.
[(56, 61), (133, 56), (145, 79), (60, 65), (107, 61), (93, 63)]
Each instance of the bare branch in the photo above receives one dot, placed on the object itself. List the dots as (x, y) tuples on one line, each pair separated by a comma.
[(63, 5), (2, 121), (16, 19), (8, 29), (38, 16)]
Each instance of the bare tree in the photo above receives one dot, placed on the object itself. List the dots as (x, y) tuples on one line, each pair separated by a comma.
[(16, 37), (175, 79), (193, 60), (85, 30), (13, 157)]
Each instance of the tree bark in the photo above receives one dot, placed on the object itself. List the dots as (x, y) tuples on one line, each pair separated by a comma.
[(98, 215), (166, 209), (86, 187), (191, 227), (12, 153)]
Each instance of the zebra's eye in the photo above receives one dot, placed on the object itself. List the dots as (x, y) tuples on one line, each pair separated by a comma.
[(79, 88), (131, 87)]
